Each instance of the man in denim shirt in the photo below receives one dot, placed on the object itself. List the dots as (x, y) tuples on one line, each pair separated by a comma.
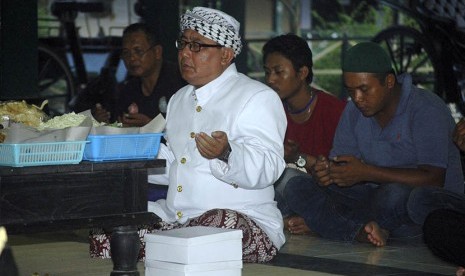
[(393, 160)]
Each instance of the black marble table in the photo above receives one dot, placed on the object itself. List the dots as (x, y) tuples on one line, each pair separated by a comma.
[(110, 195)]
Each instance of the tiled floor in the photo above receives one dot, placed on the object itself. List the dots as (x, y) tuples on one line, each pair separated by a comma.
[(66, 254)]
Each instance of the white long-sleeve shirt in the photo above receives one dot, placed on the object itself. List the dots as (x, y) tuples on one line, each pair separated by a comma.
[(252, 116)]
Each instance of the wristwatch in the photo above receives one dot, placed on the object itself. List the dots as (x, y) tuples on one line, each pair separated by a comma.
[(225, 156), (301, 161)]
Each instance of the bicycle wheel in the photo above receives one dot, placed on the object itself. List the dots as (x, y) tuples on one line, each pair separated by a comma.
[(56, 82), (412, 53)]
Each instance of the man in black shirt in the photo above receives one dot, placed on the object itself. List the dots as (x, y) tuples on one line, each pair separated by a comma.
[(152, 80)]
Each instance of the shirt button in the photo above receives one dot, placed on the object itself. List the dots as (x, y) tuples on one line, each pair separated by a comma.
[(192, 134), (199, 108), (183, 160), (179, 188), (179, 214)]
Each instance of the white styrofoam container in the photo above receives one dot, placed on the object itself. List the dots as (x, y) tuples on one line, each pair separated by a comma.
[(228, 268), (194, 245)]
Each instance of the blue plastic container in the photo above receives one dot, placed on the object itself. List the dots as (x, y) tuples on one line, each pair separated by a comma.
[(122, 146), (40, 154)]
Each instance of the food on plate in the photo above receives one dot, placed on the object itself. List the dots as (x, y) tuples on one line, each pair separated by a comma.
[(2, 137), (115, 124), (21, 112), (59, 122)]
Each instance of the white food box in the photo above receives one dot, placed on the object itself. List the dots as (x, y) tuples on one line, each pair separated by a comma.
[(194, 245), (228, 268)]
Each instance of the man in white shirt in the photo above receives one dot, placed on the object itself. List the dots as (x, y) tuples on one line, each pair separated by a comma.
[(224, 137)]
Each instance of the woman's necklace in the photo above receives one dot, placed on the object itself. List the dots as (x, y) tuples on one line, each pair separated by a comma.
[(307, 106)]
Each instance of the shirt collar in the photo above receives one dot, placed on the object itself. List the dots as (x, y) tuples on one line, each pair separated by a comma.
[(204, 93)]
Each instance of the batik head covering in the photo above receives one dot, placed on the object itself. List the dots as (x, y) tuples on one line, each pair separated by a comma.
[(366, 57), (215, 25)]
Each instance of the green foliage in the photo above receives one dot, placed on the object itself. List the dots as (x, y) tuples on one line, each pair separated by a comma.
[(47, 23), (327, 73), (362, 23), (363, 20)]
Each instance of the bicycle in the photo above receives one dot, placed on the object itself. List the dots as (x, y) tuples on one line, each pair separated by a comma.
[(59, 82), (55, 80), (434, 54)]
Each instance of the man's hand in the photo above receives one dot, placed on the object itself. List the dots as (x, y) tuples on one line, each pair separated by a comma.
[(459, 134), (212, 146), (346, 170), (134, 120), (291, 151), (321, 171), (100, 114)]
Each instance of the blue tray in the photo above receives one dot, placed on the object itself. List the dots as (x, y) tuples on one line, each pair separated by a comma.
[(40, 154), (122, 146)]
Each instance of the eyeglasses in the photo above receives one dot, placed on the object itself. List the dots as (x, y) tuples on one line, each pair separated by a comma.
[(194, 46), (137, 52)]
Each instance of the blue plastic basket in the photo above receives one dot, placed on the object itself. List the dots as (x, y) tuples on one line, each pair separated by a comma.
[(40, 154), (122, 146)]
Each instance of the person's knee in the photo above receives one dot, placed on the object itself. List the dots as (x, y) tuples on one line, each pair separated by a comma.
[(421, 202), (298, 181), (390, 195), (422, 196), (296, 186), (287, 174)]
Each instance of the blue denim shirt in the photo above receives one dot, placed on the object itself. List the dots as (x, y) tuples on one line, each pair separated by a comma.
[(419, 134)]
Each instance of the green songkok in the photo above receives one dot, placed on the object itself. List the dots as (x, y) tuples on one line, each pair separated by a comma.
[(366, 57)]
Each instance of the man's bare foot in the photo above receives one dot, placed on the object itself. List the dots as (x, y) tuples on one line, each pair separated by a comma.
[(296, 225), (460, 271), (374, 234)]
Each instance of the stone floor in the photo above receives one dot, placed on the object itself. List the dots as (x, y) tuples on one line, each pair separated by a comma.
[(66, 254)]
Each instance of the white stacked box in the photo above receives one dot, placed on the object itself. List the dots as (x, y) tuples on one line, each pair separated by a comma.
[(194, 251), (159, 268)]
